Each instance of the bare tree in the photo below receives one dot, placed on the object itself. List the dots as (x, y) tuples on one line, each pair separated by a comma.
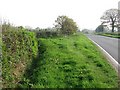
[(110, 16)]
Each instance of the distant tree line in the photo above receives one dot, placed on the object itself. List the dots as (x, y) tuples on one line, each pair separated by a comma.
[(63, 26)]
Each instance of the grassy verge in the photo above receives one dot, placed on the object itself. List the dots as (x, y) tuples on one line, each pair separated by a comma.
[(69, 62), (113, 35)]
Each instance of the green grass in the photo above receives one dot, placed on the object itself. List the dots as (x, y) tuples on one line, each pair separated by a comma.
[(69, 62), (113, 35)]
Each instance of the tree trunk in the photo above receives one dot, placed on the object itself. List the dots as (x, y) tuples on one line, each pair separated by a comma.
[(118, 29), (112, 26)]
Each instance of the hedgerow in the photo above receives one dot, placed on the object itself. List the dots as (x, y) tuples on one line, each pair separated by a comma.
[(19, 47)]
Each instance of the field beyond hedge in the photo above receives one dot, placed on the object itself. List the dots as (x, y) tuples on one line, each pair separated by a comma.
[(69, 62)]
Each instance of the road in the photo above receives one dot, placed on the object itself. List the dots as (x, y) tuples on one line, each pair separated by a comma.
[(107, 43)]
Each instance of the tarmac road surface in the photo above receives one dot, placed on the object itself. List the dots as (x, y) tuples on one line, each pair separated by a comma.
[(109, 44)]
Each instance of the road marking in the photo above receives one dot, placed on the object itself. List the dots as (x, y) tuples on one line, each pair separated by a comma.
[(109, 56)]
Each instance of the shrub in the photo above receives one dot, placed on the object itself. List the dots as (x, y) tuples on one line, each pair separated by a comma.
[(46, 34)]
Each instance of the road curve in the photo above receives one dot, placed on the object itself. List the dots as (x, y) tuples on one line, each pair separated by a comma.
[(108, 44)]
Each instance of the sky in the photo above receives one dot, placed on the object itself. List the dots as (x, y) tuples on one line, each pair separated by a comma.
[(43, 13)]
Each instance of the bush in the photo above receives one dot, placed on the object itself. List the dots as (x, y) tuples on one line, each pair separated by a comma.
[(46, 34)]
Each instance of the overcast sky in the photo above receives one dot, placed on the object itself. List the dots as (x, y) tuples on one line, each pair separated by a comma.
[(43, 13)]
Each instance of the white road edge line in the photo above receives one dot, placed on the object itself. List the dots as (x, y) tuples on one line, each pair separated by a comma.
[(105, 52)]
